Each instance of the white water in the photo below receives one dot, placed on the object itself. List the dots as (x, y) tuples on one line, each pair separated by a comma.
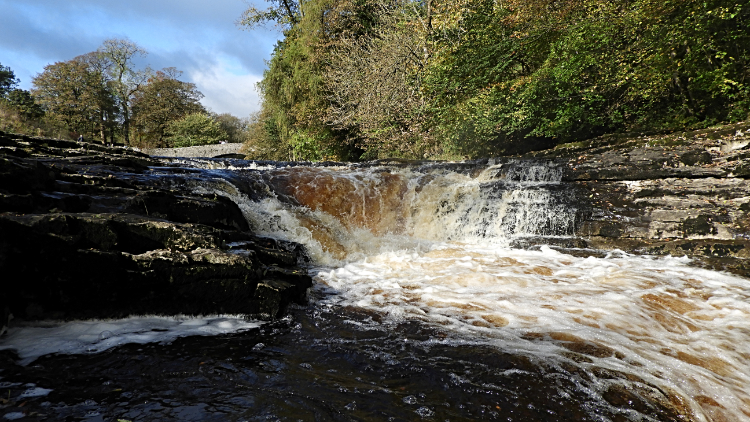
[(433, 246), (33, 340), (437, 251), (675, 327)]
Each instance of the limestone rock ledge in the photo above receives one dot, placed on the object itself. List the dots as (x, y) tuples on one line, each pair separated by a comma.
[(89, 231), (680, 194)]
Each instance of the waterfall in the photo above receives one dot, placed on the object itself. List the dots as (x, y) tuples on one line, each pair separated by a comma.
[(423, 270), (343, 212), (433, 243)]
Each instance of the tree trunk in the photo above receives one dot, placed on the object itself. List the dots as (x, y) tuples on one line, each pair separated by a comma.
[(126, 123), (102, 130)]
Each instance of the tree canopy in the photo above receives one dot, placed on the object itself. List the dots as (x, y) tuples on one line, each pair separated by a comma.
[(163, 100), (471, 78), (195, 129), (8, 80), (102, 95), (76, 95), (124, 80)]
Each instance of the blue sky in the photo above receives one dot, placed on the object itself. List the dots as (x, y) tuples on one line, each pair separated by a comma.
[(198, 37)]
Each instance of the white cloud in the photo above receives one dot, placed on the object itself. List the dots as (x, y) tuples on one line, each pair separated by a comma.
[(226, 92), (191, 35)]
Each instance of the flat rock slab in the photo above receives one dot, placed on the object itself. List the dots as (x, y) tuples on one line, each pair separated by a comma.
[(679, 194)]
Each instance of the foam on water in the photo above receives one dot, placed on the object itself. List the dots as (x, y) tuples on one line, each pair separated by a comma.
[(99, 335), (343, 214), (431, 245), (659, 321)]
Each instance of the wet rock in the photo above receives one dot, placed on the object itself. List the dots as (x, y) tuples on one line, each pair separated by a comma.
[(274, 296), (692, 158), (90, 231), (680, 194)]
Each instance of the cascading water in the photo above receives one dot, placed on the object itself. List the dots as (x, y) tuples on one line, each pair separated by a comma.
[(431, 243), (341, 213), (424, 308)]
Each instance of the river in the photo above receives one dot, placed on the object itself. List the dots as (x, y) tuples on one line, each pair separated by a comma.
[(443, 291)]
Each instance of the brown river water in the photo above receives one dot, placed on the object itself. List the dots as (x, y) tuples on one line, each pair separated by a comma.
[(424, 308)]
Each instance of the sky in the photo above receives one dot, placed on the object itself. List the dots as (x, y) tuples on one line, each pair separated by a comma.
[(198, 37)]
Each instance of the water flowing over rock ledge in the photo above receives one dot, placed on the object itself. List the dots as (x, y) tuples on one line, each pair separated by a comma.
[(423, 253), (89, 231)]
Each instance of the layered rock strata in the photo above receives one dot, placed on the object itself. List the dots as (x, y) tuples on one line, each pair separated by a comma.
[(90, 231), (679, 194)]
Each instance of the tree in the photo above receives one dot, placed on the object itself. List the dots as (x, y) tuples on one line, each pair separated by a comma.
[(25, 103), (100, 65), (374, 82), (263, 141), (195, 129), (18, 99), (294, 91), (8, 80), (161, 101), (235, 128), (126, 82), (74, 94), (470, 78), (523, 74), (285, 13)]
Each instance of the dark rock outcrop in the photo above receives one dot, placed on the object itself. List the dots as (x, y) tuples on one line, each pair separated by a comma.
[(90, 231), (678, 194)]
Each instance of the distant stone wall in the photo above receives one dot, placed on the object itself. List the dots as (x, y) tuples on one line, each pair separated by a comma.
[(198, 151)]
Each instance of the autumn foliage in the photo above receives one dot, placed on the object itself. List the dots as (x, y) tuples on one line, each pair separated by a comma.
[(471, 78)]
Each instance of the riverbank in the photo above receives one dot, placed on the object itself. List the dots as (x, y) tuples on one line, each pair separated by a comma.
[(90, 231), (683, 193)]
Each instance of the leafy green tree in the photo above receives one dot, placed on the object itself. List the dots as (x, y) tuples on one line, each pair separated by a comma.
[(472, 78), (161, 101), (22, 101), (374, 82), (262, 141), (530, 74), (20, 112), (8, 80), (109, 110), (285, 13), (235, 128), (195, 129), (294, 89), (75, 95)]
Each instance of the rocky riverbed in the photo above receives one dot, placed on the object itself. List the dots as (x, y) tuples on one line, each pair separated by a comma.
[(90, 231)]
